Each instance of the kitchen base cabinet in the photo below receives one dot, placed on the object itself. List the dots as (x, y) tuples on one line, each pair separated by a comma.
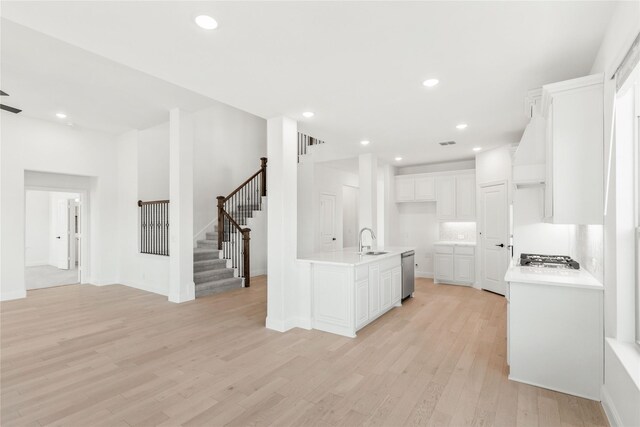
[(555, 337), (454, 264), (347, 298)]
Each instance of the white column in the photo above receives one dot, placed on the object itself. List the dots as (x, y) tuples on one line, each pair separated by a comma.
[(181, 286), (368, 194), (282, 211)]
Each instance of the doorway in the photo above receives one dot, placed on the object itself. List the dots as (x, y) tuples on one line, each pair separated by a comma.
[(53, 238), (328, 222), (494, 237)]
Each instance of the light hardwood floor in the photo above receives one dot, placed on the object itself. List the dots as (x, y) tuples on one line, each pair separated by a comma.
[(114, 356)]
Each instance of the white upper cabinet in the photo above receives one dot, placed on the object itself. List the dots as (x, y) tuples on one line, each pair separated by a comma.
[(415, 188), (574, 185), (425, 188), (453, 192), (405, 189), (466, 197), (446, 197)]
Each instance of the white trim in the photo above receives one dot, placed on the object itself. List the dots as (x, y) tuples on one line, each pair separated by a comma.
[(145, 287), (424, 274), (572, 393), (609, 408), (18, 294), (204, 229)]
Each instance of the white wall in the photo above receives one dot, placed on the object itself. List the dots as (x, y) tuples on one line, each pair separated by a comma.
[(153, 163), (437, 167), (621, 392), (142, 271), (418, 227), (228, 144), (37, 228), (313, 180), (30, 144)]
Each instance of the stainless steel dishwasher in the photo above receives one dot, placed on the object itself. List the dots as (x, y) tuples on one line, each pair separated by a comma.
[(408, 274)]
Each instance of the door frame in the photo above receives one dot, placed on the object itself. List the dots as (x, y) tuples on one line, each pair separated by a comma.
[(83, 205), (480, 254)]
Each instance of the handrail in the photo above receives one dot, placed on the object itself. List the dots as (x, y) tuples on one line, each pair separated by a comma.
[(238, 206), (152, 202), (234, 192)]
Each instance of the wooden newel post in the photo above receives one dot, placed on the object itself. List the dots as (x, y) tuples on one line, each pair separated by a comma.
[(263, 175), (220, 220), (245, 256)]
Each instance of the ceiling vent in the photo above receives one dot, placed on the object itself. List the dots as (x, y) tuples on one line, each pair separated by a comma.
[(447, 143)]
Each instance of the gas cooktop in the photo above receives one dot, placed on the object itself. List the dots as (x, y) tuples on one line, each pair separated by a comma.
[(548, 261)]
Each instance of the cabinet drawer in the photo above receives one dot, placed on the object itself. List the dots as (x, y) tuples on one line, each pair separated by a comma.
[(444, 249), (465, 250)]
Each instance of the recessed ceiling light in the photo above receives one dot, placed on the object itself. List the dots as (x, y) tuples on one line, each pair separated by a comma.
[(61, 115), (477, 148), (430, 82), (308, 114), (461, 126), (398, 158), (206, 22), (365, 142)]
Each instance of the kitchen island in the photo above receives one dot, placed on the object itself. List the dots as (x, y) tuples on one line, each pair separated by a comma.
[(350, 290)]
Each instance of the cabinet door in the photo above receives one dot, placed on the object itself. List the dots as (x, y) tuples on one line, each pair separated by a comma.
[(386, 287), (466, 197), (443, 267), (405, 189), (464, 269), (374, 290), (446, 197), (425, 188), (396, 283), (362, 302)]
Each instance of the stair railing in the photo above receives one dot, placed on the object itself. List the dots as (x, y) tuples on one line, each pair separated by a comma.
[(154, 227), (233, 212), (304, 142)]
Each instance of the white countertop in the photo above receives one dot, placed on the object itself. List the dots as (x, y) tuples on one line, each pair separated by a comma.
[(455, 243), (350, 256), (553, 276)]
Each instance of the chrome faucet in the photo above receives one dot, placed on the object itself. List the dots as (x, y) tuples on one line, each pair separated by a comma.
[(373, 236)]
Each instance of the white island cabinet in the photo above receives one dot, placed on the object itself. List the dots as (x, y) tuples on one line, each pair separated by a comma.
[(554, 329), (349, 291)]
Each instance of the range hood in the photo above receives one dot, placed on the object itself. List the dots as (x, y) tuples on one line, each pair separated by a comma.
[(529, 168)]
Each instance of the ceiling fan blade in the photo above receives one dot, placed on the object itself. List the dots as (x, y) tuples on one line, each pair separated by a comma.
[(10, 109), (3, 93)]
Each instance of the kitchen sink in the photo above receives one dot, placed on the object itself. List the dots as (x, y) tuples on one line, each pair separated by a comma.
[(375, 253)]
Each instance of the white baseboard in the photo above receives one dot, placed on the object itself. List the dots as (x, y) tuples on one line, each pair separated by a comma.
[(258, 272), (146, 287), (17, 294), (424, 274), (609, 408)]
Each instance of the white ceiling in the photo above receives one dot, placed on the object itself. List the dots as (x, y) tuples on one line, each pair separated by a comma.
[(357, 65), (44, 76)]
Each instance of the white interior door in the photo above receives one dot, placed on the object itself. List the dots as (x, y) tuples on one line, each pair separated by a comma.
[(494, 239), (328, 222), (62, 234)]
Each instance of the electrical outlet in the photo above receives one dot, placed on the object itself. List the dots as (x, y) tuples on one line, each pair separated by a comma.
[(460, 236)]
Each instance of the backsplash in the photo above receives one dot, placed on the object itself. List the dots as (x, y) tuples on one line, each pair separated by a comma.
[(458, 231), (587, 247)]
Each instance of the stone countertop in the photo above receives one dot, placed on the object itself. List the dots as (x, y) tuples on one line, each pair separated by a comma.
[(351, 257), (553, 277), (455, 243)]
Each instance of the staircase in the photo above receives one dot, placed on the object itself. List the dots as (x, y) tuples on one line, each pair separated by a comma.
[(221, 261), (210, 272)]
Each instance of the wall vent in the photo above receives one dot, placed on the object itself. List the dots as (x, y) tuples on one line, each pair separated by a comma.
[(447, 143)]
